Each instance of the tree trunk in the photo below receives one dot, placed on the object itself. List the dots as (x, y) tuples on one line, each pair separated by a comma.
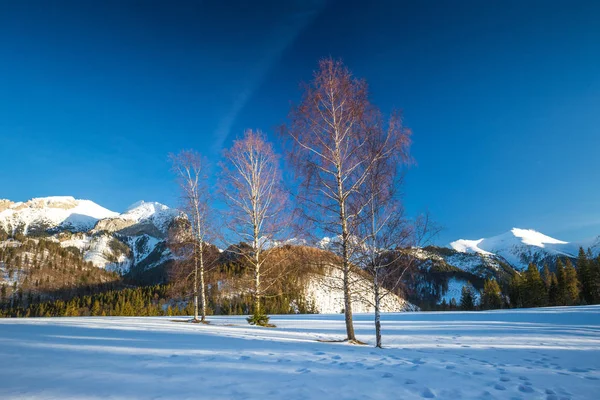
[(256, 291), (346, 274), (202, 287), (195, 286), (377, 311)]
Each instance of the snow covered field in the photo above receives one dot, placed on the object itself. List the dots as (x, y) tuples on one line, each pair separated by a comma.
[(551, 353)]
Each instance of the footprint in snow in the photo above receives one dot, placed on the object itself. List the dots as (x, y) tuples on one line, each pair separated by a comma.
[(504, 379), (477, 373), (523, 378), (303, 370), (336, 358), (244, 358), (427, 393), (592, 378), (579, 369), (450, 367), (387, 375), (410, 382), (525, 389), (498, 386), (319, 353)]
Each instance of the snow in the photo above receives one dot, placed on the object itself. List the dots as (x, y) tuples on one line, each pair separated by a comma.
[(54, 211), (533, 238), (325, 293), (521, 246), (454, 291), (468, 246), (548, 353)]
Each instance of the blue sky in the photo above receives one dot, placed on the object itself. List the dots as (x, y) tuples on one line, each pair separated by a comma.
[(503, 97)]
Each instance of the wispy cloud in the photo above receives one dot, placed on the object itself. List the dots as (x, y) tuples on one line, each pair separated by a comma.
[(282, 36)]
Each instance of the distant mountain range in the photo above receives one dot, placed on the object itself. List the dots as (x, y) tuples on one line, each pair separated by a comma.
[(134, 243)]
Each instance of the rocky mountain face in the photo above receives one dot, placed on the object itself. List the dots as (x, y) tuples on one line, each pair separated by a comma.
[(443, 271), (129, 242)]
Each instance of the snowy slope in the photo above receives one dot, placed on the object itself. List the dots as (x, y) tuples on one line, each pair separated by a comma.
[(523, 246), (544, 353), (325, 293), (60, 212)]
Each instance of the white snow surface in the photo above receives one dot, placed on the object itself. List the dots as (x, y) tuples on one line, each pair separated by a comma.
[(325, 293), (54, 211), (544, 353)]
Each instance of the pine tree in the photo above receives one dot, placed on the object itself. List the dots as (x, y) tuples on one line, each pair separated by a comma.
[(562, 295), (572, 284), (535, 293), (586, 277), (553, 291), (96, 310), (546, 276), (516, 291), (467, 298), (492, 295)]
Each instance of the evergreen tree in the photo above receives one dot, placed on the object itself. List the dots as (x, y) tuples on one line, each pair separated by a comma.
[(467, 298), (535, 288), (546, 276), (572, 284), (553, 291), (586, 277), (516, 289), (562, 294), (492, 295)]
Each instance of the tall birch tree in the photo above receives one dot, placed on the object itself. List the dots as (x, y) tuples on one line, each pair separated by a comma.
[(251, 186), (190, 168), (329, 131)]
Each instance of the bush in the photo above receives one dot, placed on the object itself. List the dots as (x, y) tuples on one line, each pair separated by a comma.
[(259, 319)]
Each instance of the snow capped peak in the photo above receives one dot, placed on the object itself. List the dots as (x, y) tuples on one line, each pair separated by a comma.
[(52, 212), (516, 236), (521, 246), (534, 238), (468, 246), (143, 210)]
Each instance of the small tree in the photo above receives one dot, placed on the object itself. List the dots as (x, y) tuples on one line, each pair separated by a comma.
[(467, 297), (492, 295), (535, 288), (586, 277), (571, 283), (516, 289)]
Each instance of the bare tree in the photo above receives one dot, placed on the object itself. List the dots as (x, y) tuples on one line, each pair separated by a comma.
[(251, 185), (190, 168), (382, 227), (329, 131)]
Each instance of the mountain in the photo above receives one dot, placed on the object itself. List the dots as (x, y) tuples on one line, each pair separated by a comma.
[(47, 213), (130, 242), (133, 244), (443, 271), (520, 247)]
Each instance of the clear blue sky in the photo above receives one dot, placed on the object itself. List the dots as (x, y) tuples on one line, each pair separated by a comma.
[(503, 97)]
